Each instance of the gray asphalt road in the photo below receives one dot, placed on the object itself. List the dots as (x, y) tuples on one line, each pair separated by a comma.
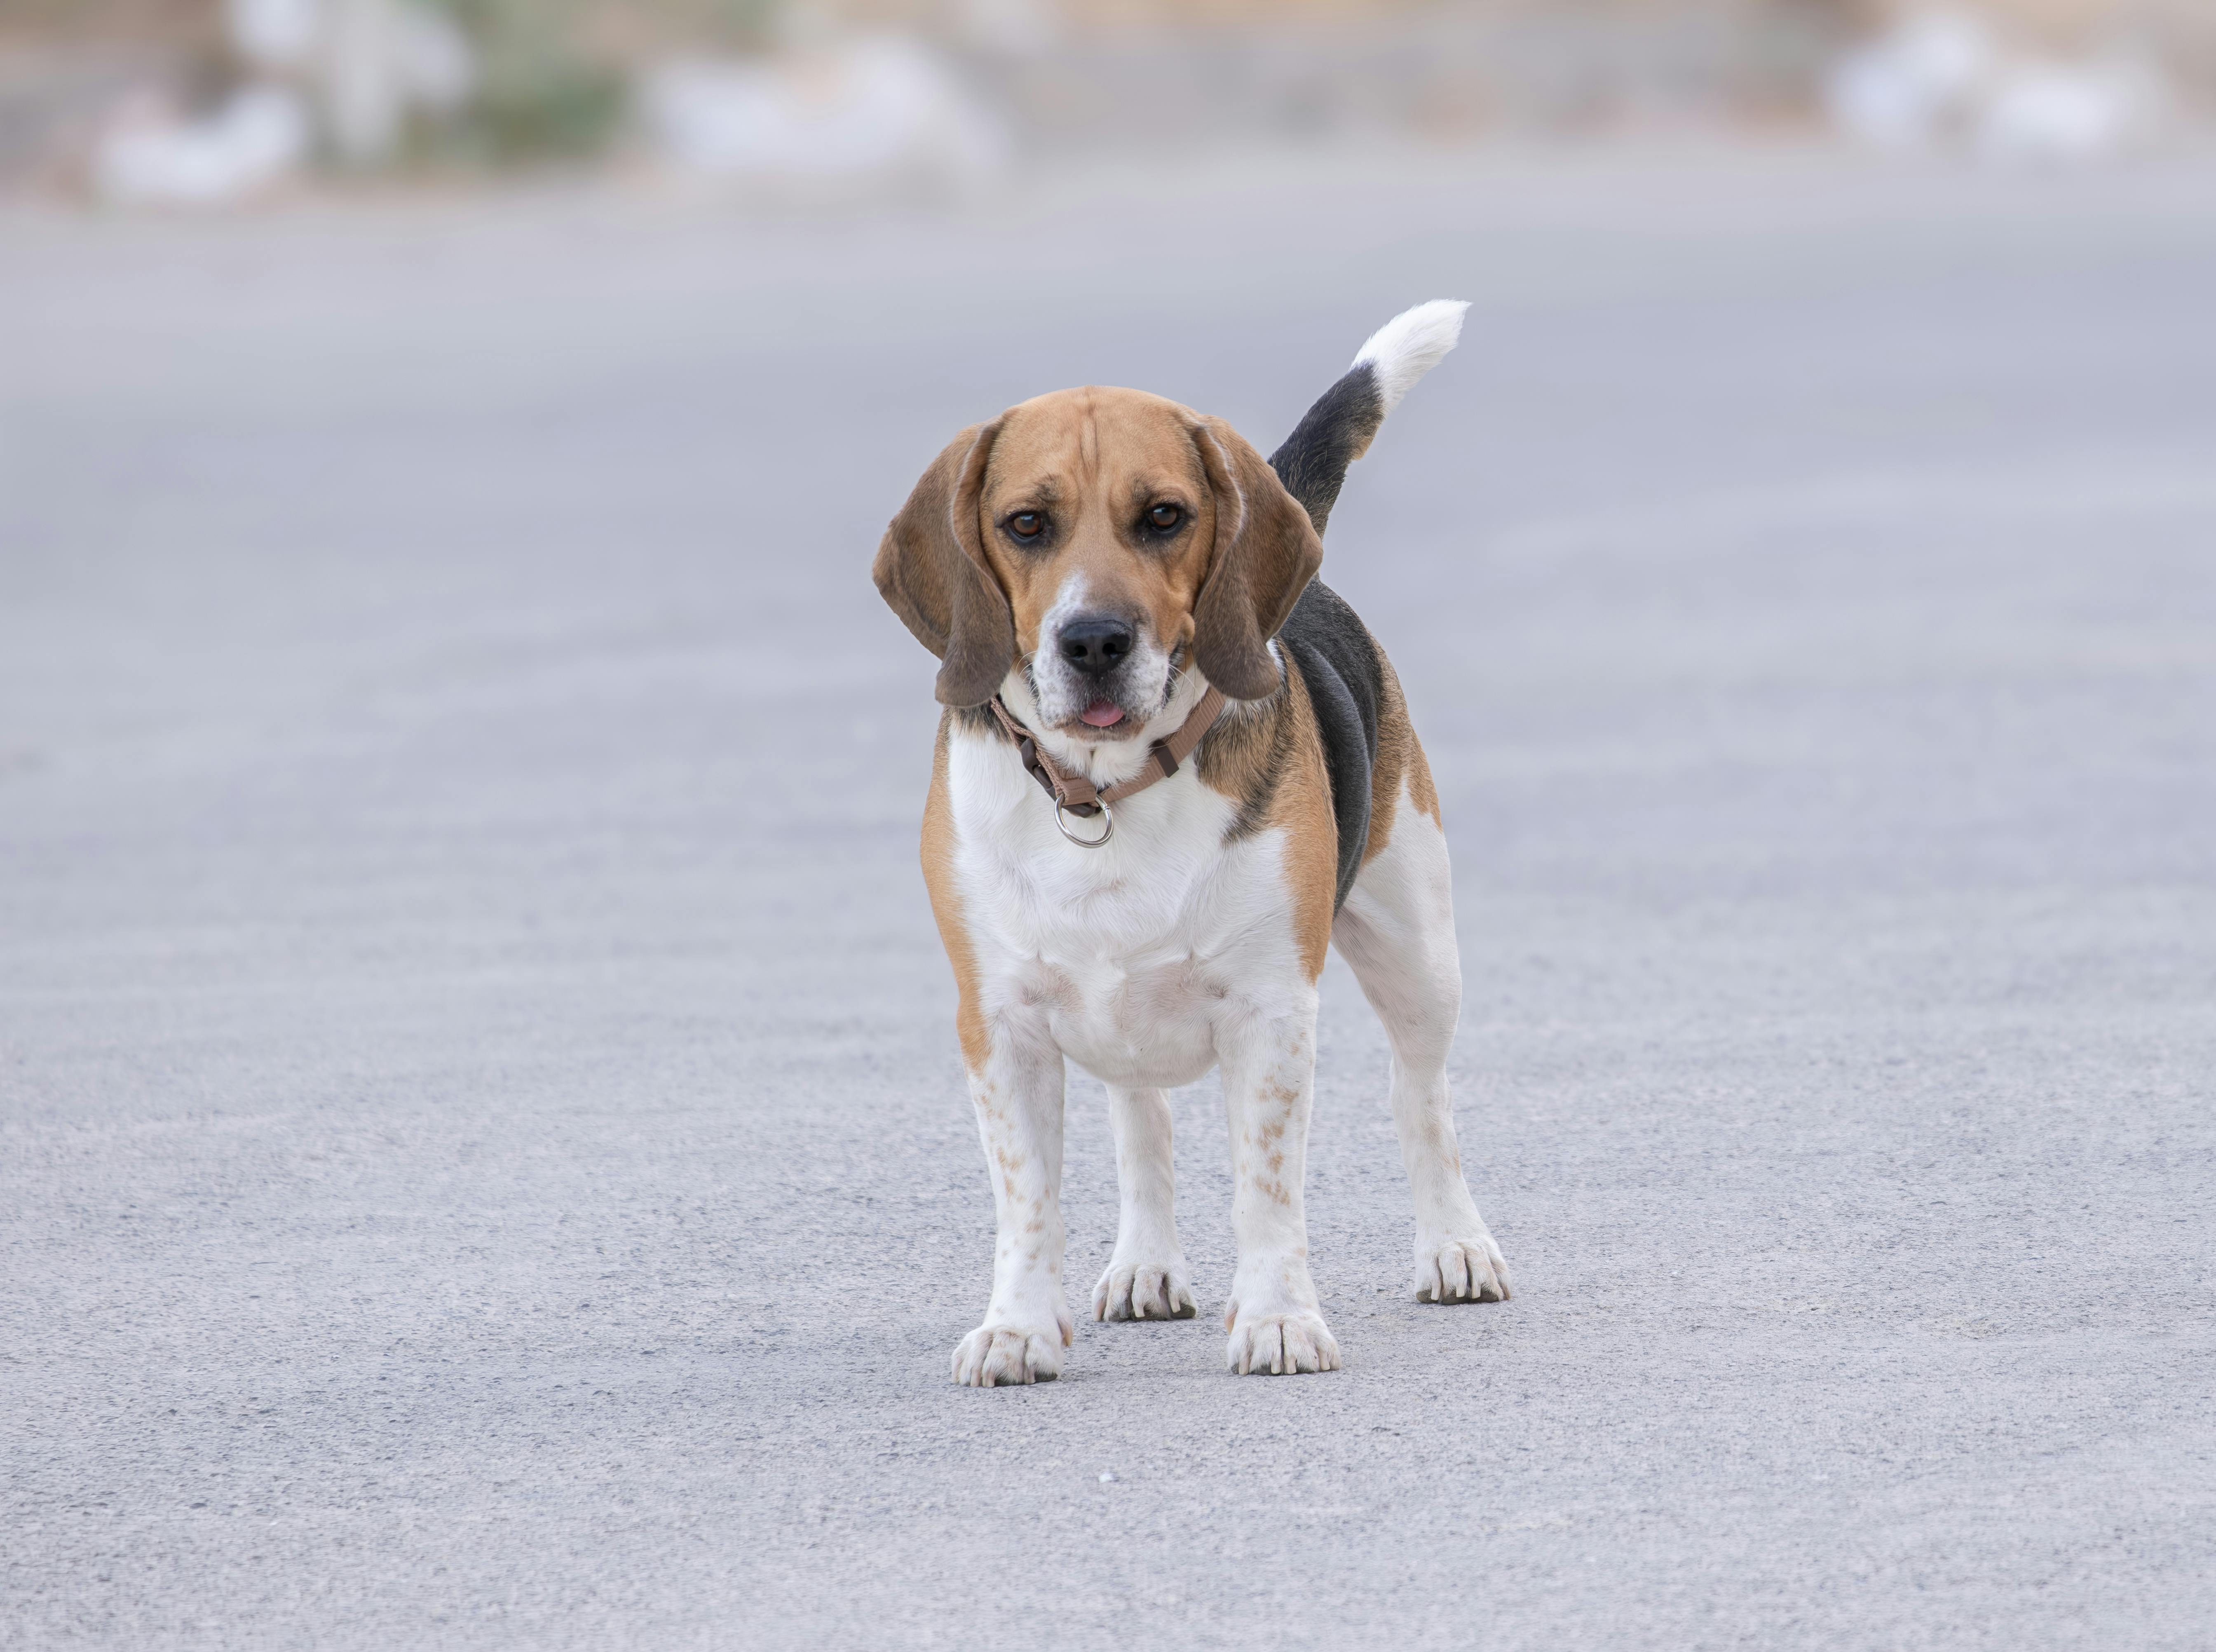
[(483, 1161)]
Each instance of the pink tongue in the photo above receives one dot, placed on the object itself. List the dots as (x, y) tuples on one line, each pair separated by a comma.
[(1103, 714)]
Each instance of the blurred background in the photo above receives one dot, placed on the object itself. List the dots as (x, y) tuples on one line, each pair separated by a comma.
[(483, 1154), (210, 101)]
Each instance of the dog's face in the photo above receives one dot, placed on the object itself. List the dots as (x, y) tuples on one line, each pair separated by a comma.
[(1101, 541), (1097, 522)]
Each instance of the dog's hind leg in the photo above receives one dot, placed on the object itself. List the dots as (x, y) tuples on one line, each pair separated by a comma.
[(1147, 1277), (1397, 931)]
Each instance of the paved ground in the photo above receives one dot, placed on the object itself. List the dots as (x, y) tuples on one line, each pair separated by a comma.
[(482, 1161)]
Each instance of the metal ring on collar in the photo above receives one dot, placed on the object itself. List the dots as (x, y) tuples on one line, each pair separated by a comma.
[(1107, 830)]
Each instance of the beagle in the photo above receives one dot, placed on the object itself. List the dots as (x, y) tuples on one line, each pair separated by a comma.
[(1174, 768)]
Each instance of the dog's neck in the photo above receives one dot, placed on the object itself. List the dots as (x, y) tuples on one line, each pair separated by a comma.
[(1105, 762)]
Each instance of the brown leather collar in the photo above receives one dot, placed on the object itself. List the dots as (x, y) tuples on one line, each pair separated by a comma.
[(1074, 794)]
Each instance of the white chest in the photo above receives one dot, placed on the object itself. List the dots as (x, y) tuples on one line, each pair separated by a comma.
[(1125, 956)]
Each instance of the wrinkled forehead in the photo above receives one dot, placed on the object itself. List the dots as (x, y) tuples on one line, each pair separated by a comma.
[(1077, 444)]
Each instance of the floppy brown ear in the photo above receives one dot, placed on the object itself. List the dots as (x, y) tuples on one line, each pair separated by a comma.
[(931, 569), (1266, 551)]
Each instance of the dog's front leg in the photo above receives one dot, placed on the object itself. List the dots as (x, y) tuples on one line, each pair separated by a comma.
[(1017, 1093), (1269, 1073), (1146, 1277)]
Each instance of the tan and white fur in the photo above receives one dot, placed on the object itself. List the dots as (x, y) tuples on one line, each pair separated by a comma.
[(1194, 937)]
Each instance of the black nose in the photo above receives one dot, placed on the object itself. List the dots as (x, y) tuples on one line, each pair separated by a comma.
[(1096, 647)]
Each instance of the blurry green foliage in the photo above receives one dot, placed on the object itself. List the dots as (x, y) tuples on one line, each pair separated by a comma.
[(552, 73), (540, 93)]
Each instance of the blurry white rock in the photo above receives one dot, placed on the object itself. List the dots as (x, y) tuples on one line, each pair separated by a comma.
[(437, 65), (1915, 85), (358, 80), (366, 63), (881, 109), (257, 139), (2062, 112), (274, 33)]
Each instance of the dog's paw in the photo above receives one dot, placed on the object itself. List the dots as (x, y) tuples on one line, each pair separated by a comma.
[(1277, 1345), (1465, 1267), (1144, 1291), (1006, 1356)]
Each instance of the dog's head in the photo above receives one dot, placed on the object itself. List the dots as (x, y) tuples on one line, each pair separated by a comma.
[(1100, 541)]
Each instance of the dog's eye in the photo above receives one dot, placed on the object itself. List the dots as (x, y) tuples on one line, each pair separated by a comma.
[(1026, 524), (1163, 518)]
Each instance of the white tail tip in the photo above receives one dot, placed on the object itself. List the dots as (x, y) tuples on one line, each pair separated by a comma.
[(1410, 345)]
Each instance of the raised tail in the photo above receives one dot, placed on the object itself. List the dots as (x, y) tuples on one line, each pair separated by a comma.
[(1336, 430)]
